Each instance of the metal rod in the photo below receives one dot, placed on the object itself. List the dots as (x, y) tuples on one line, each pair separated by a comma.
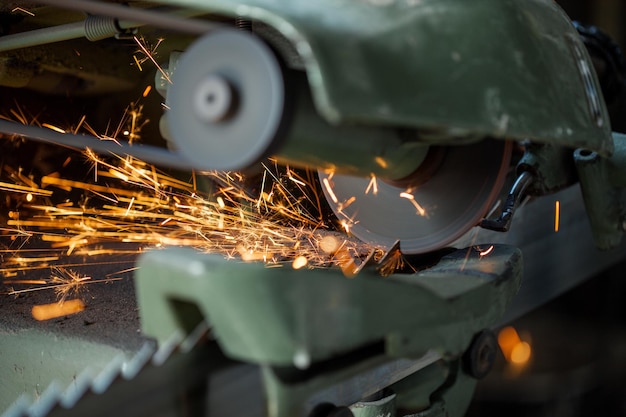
[(42, 36), (150, 154), (80, 29), (145, 16)]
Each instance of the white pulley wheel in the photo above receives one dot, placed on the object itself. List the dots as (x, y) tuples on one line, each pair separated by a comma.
[(214, 100), (226, 102)]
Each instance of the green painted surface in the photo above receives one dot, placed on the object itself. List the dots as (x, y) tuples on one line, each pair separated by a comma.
[(30, 360), (276, 315), (452, 68)]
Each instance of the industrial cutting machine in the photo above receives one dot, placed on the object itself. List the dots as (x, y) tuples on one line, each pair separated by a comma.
[(433, 139)]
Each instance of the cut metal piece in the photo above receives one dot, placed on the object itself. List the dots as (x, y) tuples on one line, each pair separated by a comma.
[(425, 217), (227, 101)]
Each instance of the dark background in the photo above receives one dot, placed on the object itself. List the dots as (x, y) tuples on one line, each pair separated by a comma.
[(609, 15), (578, 362)]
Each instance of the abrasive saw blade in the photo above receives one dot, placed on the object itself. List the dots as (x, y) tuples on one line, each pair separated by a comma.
[(428, 216)]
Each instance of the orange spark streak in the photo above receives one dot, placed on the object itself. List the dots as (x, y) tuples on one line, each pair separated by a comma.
[(23, 189), (21, 9), (274, 228), (381, 162), (129, 206), (420, 210), (137, 62), (557, 215), (515, 350), (347, 203), (486, 251), (297, 181), (331, 193), (52, 127), (372, 186), (299, 262), (50, 311), (151, 57)]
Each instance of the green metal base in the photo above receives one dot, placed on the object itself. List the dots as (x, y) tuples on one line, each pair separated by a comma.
[(312, 324)]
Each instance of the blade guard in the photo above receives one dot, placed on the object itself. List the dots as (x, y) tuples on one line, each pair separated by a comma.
[(452, 68)]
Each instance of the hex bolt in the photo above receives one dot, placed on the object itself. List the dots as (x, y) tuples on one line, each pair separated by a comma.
[(480, 356)]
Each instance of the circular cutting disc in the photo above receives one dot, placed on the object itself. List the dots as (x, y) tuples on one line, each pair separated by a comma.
[(226, 102), (429, 216)]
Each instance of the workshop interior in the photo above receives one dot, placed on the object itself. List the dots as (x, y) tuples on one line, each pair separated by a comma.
[(332, 208)]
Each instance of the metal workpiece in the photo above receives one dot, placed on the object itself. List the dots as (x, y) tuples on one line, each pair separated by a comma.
[(427, 65), (602, 181)]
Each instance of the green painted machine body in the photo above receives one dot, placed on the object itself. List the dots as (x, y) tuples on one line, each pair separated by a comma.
[(280, 318), (453, 69), (273, 315)]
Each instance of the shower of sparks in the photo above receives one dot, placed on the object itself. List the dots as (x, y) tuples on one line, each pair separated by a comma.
[(149, 53), (64, 282), (394, 263), (128, 206), (148, 207)]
